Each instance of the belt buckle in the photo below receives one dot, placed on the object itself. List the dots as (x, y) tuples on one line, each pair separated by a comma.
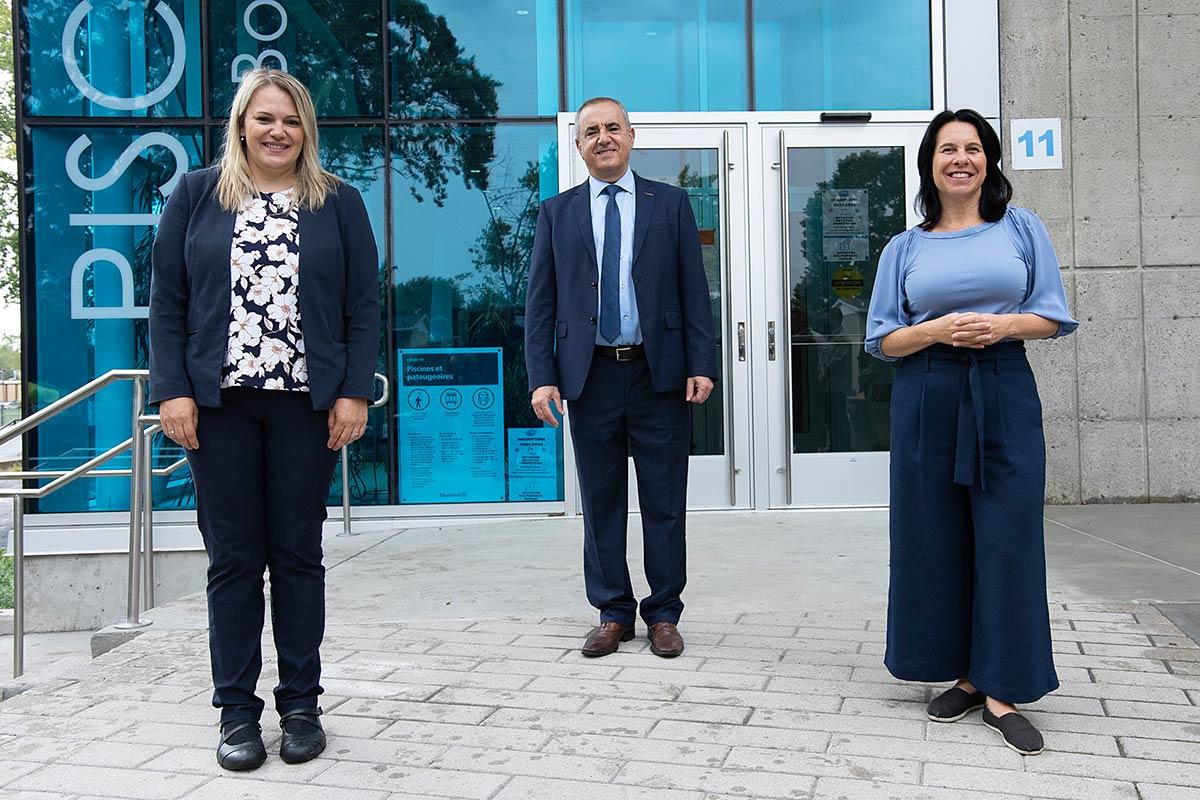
[(620, 351)]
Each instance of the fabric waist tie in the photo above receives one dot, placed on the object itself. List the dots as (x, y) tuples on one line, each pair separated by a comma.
[(970, 454)]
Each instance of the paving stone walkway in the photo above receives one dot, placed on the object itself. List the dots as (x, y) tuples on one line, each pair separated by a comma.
[(760, 705)]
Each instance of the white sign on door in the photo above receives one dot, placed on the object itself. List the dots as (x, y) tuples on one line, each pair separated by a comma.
[(1036, 143)]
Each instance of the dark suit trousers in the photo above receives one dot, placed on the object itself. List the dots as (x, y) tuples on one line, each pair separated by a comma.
[(262, 475), (617, 414)]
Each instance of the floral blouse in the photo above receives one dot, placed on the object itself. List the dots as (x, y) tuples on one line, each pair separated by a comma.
[(266, 347)]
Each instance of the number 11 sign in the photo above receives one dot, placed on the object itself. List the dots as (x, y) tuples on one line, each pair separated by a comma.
[(1036, 143)]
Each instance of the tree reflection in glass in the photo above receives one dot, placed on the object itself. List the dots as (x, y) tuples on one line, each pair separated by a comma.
[(462, 260), (840, 394)]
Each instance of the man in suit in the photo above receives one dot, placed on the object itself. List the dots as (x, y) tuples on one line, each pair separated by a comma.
[(618, 323)]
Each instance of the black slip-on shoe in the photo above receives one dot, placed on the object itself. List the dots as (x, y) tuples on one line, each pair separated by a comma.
[(303, 736), (954, 704), (1018, 732), (241, 746)]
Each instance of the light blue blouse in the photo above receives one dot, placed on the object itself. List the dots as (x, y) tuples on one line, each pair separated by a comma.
[(1005, 267)]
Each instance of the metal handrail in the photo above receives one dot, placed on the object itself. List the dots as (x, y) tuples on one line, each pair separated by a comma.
[(14, 429), (141, 500), (383, 398), (61, 479)]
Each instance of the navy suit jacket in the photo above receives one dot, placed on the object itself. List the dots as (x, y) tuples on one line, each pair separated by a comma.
[(562, 301), (190, 295)]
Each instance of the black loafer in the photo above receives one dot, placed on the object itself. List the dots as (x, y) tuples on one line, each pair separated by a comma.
[(1018, 732), (241, 747), (303, 736), (954, 704)]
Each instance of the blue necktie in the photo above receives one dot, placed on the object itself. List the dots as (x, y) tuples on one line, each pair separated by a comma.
[(610, 269)]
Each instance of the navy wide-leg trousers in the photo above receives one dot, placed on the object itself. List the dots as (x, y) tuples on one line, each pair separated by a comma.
[(968, 569), (619, 414), (262, 474)]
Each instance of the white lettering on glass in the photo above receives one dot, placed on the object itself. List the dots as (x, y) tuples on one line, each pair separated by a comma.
[(127, 309), (126, 158), (254, 61), (123, 103)]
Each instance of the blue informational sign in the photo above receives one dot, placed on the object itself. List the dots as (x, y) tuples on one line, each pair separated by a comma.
[(532, 464), (451, 409)]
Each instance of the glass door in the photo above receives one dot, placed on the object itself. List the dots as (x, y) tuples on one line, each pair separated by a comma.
[(834, 195), (708, 162)]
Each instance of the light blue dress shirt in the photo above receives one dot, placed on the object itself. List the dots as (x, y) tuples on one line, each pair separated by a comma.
[(631, 329), (1004, 267)]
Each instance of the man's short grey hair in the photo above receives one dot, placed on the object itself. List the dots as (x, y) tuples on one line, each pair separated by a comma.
[(591, 101)]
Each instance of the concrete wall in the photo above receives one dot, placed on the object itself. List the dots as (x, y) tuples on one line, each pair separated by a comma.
[(88, 591), (1122, 396)]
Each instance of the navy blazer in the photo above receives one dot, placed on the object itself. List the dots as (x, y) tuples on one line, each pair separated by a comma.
[(190, 295), (673, 304)]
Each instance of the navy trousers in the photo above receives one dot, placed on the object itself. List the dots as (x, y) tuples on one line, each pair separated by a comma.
[(618, 414), (968, 565), (262, 475)]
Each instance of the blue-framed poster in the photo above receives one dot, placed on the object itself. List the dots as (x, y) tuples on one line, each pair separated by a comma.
[(532, 464), (450, 405)]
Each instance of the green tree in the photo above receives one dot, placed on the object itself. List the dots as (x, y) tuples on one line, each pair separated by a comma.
[(501, 256), (10, 276), (10, 356)]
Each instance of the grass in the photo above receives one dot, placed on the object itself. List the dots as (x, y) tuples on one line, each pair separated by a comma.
[(6, 580)]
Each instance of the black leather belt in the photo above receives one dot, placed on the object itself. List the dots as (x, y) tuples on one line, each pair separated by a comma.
[(628, 352)]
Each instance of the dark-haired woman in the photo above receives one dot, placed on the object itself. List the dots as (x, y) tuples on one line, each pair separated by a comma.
[(953, 300)]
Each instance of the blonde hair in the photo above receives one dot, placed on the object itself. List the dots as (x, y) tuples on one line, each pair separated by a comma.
[(235, 184)]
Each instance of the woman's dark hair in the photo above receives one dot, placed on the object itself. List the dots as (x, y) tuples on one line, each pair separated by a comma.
[(996, 191)]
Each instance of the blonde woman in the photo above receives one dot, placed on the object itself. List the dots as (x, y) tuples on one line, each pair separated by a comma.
[(263, 337)]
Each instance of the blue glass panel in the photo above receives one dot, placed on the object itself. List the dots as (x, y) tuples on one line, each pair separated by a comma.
[(92, 194), (355, 154), (333, 47), (122, 60), (473, 59), (658, 55), (831, 54), (463, 224)]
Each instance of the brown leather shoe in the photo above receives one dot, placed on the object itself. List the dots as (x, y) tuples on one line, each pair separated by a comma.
[(605, 639), (665, 640)]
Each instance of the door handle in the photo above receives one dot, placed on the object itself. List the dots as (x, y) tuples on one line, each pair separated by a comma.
[(785, 264), (726, 225)]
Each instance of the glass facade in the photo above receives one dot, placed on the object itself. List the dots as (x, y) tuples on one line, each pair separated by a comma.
[(695, 49), (695, 171), (836, 55), (336, 52), (93, 194), (844, 204), (473, 59), (111, 60), (442, 112)]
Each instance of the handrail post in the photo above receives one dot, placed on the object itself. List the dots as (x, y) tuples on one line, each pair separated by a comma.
[(133, 609), (148, 511), (18, 554), (381, 400), (346, 531)]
